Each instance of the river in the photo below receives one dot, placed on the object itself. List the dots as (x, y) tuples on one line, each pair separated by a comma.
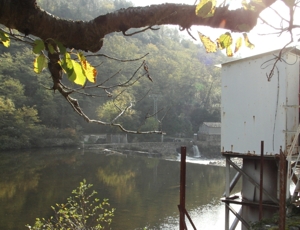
[(144, 191)]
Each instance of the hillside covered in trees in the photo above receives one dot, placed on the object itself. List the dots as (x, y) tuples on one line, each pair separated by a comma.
[(182, 80)]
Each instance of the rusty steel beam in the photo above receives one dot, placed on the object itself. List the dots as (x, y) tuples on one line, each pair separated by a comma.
[(182, 225), (282, 190)]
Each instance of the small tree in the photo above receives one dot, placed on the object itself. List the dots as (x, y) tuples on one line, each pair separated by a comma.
[(81, 211)]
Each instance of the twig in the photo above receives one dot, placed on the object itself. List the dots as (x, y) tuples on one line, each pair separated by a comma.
[(140, 31), (116, 59)]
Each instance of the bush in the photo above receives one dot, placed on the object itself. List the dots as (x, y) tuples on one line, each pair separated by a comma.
[(80, 212)]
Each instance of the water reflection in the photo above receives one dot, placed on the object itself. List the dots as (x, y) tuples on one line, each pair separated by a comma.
[(144, 191)]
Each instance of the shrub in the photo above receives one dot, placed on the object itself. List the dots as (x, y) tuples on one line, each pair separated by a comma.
[(81, 211)]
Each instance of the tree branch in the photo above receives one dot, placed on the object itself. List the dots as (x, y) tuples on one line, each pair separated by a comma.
[(28, 18)]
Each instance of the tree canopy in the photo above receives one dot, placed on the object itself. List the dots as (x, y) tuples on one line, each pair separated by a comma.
[(63, 46)]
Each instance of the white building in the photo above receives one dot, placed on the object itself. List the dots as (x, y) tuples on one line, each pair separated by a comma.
[(255, 109), (259, 116)]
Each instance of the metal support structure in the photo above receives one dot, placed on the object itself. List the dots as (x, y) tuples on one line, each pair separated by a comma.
[(228, 188), (290, 169), (282, 194), (236, 221), (238, 216), (155, 99), (253, 181), (182, 210), (261, 179), (227, 192), (233, 182), (263, 200)]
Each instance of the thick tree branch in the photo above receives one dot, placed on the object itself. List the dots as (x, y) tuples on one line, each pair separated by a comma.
[(26, 17)]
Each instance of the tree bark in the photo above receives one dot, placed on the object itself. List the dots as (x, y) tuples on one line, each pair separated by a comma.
[(27, 17)]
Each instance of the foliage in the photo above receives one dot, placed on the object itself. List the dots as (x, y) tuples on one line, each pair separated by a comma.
[(292, 220), (30, 113), (184, 78), (122, 101), (150, 124), (16, 125), (82, 211), (225, 41)]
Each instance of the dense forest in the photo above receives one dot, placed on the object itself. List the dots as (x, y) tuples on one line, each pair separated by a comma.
[(183, 84)]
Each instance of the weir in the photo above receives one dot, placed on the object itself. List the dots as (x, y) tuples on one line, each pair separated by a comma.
[(260, 122)]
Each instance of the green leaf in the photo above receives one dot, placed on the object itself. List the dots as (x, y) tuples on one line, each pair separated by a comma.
[(51, 49), (38, 46), (209, 45), (224, 41), (206, 8), (4, 38), (62, 48), (89, 71), (73, 70), (40, 63), (247, 42)]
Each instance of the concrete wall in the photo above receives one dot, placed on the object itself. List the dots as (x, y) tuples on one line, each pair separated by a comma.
[(211, 139), (105, 138), (207, 149), (165, 148)]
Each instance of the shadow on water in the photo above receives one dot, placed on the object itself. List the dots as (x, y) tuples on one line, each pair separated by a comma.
[(144, 191)]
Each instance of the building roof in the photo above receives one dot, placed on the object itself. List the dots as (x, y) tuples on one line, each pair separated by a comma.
[(294, 50), (213, 124)]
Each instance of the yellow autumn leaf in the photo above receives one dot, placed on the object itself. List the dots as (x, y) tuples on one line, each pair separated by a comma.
[(224, 41), (248, 6), (6, 43), (209, 45), (229, 51), (78, 74), (4, 38), (40, 63), (89, 71), (206, 8), (238, 44), (247, 42)]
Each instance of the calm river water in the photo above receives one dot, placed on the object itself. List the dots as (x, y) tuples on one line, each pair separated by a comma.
[(144, 191)]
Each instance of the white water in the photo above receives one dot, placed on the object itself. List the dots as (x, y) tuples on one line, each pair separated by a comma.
[(196, 151)]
